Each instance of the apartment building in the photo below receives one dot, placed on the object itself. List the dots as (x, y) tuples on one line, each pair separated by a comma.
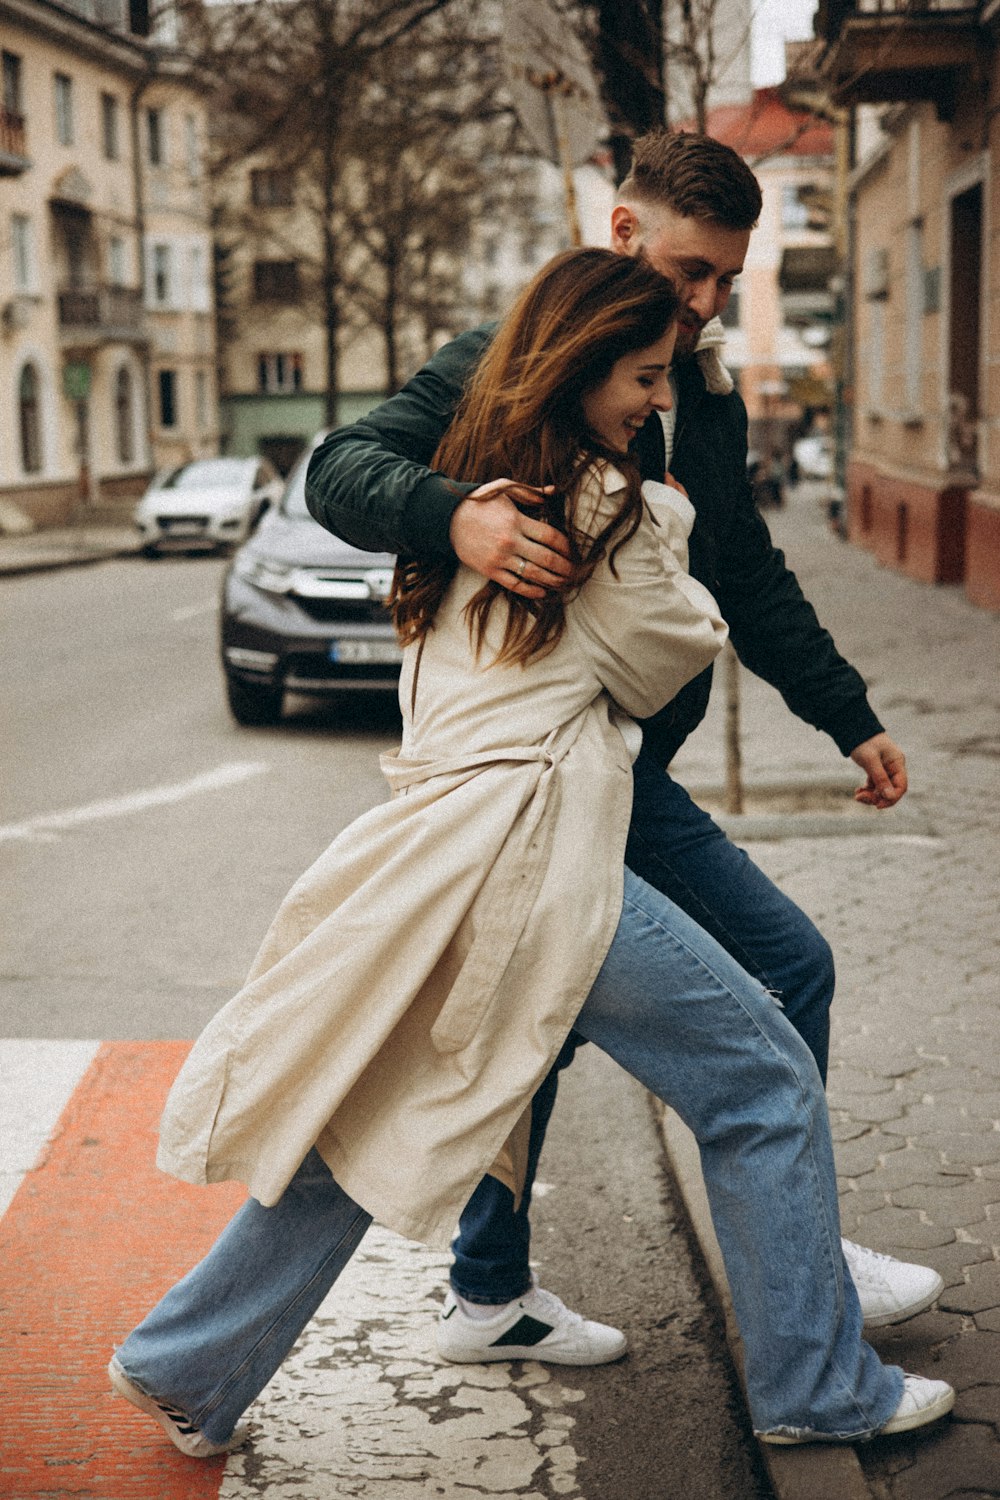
[(779, 315), (107, 347), (924, 470)]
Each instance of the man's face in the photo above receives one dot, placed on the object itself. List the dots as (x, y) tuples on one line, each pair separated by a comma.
[(701, 258)]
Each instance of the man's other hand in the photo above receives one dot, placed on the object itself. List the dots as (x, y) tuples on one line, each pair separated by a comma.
[(885, 766), (491, 536)]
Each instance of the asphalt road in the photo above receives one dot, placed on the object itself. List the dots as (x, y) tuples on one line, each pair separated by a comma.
[(146, 840)]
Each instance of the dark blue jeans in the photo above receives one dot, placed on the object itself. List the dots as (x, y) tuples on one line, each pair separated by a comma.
[(676, 847)]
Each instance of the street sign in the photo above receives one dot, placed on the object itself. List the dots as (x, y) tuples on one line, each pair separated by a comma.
[(76, 381)]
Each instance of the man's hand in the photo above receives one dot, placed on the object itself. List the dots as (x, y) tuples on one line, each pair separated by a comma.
[(885, 766), (491, 536)]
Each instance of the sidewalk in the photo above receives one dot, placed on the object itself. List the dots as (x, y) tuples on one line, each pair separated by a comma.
[(94, 539), (908, 901), (910, 908)]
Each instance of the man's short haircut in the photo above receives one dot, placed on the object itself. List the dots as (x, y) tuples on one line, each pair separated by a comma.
[(696, 176)]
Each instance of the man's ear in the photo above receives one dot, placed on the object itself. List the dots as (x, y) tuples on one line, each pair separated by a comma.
[(624, 230)]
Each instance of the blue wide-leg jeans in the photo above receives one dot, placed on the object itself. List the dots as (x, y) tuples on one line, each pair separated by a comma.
[(680, 850), (679, 1014)]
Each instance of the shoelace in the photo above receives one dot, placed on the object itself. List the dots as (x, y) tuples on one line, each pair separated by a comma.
[(556, 1310)]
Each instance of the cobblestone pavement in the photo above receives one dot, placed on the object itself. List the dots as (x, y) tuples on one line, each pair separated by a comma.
[(913, 920)]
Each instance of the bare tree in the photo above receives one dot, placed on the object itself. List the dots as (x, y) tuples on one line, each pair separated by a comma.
[(291, 79), (431, 131)]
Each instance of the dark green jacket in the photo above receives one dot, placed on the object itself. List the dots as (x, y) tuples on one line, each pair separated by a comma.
[(369, 483)]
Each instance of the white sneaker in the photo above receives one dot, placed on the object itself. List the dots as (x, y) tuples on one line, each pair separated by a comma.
[(923, 1401), (889, 1290), (536, 1326), (174, 1422)]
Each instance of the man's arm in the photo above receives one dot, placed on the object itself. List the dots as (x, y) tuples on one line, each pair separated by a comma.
[(371, 484), (777, 635)]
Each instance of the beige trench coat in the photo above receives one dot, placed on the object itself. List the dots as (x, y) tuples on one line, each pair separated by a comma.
[(419, 980)]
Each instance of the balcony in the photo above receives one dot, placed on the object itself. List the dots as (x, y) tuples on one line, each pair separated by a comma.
[(896, 52), (13, 144), (89, 316)]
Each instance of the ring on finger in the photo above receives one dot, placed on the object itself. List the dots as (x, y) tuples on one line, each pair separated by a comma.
[(522, 563)]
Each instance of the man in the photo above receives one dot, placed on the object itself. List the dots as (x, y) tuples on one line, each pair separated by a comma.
[(688, 205)]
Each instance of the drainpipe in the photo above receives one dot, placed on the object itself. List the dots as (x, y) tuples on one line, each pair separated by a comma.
[(138, 193)]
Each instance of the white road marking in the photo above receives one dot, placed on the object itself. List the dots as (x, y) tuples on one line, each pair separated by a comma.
[(38, 1079), (46, 826), (190, 611)]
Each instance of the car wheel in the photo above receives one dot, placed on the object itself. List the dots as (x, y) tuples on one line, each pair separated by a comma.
[(150, 550), (253, 705)]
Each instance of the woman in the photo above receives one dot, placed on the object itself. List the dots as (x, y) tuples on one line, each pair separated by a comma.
[(420, 979)]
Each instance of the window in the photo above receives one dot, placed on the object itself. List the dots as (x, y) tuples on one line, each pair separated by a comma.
[(117, 261), (30, 421), (155, 143), (23, 247), (64, 109), (279, 374), (162, 284), (199, 291), (914, 315), (124, 416), (13, 96), (270, 189), (730, 315), (192, 149), (166, 381), (109, 127), (276, 280), (806, 205)]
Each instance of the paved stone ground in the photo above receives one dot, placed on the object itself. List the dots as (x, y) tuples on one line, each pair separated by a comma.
[(913, 920)]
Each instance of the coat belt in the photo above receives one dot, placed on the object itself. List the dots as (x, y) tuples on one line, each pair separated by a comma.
[(514, 881)]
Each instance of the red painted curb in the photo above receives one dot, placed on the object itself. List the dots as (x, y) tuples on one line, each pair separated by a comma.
[(93, 1238)]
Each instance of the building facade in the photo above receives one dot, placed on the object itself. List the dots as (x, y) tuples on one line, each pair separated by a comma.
[(923, 476), (779, 314), (107, 352)]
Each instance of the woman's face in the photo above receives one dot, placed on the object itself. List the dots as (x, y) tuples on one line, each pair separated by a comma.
[(637, 386)]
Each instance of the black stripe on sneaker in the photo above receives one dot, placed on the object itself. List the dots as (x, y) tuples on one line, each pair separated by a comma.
[(527, 1331), (179, 1418)]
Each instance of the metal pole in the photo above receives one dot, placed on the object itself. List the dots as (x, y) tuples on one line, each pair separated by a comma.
[(734, 753)]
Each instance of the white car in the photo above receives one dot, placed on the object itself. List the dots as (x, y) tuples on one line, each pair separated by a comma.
[(814, 456), (210, 502)]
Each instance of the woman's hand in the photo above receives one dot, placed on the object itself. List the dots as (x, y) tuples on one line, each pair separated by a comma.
[(675, 484), (494, 538)]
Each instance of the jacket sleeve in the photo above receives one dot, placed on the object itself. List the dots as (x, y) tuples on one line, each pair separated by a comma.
[(651, 628), (370, 483), (775, 630)]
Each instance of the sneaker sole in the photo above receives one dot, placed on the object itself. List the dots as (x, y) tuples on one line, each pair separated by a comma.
[(526, 1351), (922, 1418), (903, 1315), (196, 1446), (939, 1408)]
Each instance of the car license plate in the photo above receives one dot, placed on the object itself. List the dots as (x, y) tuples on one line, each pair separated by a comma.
[(366, 653)]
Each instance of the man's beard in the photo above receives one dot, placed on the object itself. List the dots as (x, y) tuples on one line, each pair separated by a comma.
[(687, 340)]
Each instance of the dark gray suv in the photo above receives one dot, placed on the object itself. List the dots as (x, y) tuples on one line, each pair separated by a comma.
[(303, 612)]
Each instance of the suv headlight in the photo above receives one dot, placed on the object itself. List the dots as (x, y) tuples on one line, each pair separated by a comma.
[(272, 577)]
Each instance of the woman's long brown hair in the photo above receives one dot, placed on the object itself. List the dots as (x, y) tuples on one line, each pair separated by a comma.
[(521, 416)]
